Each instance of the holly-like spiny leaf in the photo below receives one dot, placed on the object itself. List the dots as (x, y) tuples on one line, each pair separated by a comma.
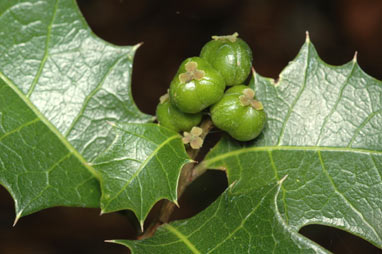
[(324, 132), (37, 169), (60, 84), (235, 223), (141, 166)]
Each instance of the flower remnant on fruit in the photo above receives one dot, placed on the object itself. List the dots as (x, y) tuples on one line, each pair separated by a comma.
[(164, 98), (248, 99), (191, 73), (231, 38), (193, 138)]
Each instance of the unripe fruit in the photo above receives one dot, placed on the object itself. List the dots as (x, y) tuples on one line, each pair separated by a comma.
[(231, 56), (171, 117), (239, 114), (196, 86)]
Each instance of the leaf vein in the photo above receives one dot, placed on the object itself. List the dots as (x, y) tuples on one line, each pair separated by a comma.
[(241, 225), (207, 221), (46, 50), (344, 198), (18, 129), (90, 96), (290, 110), (363, 124), (136, 135), (51, 127), (282, 186), (165, 172), (147, 160), (209, 162), (48, 185), (184, 239), (326, 119), (376, 168)]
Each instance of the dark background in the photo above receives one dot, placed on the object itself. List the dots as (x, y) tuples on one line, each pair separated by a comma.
[(172, 31)]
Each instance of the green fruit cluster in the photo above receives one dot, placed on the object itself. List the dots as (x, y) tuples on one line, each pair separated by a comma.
[(200, 83)]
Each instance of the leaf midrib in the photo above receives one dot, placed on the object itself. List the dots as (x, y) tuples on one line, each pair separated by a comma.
[(183, 238), (289, 148), (353, 208), (242, 223), (142, 166), (90, 96), (46, 52), (290, 110), (50, 126), (339, 97)]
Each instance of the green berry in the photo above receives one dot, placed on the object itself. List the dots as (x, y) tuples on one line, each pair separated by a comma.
[(231, 56), (171, 117), (239, 113), (196, 86)]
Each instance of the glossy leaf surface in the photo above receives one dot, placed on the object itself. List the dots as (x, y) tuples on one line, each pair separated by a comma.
[(59, 86), (324, 133), (141, 166)]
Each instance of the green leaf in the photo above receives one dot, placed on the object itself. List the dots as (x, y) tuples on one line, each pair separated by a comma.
[(324, 133), (60, 84), (37, 169), (141, 167), (244, 223)]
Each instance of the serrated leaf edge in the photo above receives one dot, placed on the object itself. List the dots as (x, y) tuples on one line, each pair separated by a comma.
[(141, 167), (169, 139)]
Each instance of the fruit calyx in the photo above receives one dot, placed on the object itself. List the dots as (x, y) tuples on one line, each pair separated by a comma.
[(193, 138), (248, 99), (231, 38), (164, 98), (191, 73)]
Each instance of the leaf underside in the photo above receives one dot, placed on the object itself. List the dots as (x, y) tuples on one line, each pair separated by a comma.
[(324, 133)]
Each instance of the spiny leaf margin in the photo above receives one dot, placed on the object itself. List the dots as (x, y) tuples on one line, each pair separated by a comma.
[(141, 167), (334, 171), (73, 83), (227, 223)]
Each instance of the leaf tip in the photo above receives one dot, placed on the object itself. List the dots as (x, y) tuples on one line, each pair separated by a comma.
[(355, 57), (141, 223), (109, 241), (254, 73), (232, 184), (282, 179), (18, 216), (307, 37), (137, 46)]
